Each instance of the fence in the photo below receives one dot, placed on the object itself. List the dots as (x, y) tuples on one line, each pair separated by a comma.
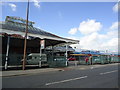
[(16, 59), (98, 59), (115, 59), (60, 61), (57, 61)]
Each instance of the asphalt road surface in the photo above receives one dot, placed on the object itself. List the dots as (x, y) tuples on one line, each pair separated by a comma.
[(101, 77)]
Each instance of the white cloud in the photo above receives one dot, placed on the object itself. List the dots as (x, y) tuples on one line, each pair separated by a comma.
[(73, 31), (115, 26), (13, 6), (91, 41), (97, 41), (116, 7), (36, 3), (112, 42), (89, 26), (111, 45), (112, 34)]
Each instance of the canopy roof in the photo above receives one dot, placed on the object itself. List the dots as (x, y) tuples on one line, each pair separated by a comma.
[(11, 27), (92, 53)]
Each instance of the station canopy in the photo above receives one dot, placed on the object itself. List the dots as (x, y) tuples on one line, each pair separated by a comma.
[(16, 26)]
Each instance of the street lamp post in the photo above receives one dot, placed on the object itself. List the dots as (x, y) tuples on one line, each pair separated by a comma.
[(25, 42)]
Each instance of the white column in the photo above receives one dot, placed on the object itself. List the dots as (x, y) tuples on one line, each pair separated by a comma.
[(66, 53), (40, 55), (40, 51), (6, 62)]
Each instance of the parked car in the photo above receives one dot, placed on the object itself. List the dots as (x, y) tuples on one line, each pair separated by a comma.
[(34, 59)]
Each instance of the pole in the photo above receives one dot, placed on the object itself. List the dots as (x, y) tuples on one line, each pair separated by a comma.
[(25, 42), (6, 62)]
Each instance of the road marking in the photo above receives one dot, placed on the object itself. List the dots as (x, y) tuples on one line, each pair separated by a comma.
[(108, 72), (66, 80), (91, 67)]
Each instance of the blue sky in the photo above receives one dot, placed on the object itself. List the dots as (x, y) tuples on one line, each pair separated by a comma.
[(60, 17)]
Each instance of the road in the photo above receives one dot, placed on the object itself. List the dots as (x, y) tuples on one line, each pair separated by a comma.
[(101, 77)]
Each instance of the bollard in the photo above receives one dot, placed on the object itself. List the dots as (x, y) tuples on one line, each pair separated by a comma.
[(40, 64), (66, 63), (75, 63)]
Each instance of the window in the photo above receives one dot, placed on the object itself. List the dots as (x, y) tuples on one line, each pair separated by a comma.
[(30, 57)]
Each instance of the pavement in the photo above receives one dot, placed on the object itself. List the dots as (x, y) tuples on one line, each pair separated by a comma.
[(27, 72), (44, 70)]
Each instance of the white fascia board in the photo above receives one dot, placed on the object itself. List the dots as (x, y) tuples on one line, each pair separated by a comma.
[(37, 35)]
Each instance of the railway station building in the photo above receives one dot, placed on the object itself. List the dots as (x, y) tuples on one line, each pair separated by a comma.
[(12, 35)]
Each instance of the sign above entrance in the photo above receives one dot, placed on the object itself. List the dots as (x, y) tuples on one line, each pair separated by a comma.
[(18, 20), (42, 43)]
